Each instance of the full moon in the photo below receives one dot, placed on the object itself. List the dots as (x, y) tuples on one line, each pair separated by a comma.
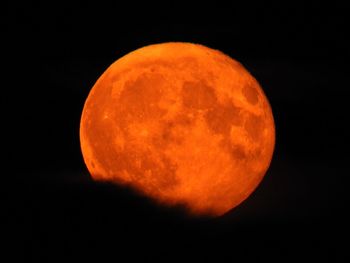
[(180, 123)]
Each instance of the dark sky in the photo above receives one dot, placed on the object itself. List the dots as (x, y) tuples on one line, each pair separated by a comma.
[(54, 53)]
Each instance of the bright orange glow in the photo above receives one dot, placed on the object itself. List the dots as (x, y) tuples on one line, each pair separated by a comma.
[(182, 124)]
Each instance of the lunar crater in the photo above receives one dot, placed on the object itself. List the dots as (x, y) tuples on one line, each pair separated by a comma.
[(251, 94)]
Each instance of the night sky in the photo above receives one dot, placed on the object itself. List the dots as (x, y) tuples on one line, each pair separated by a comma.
[(53, 53)]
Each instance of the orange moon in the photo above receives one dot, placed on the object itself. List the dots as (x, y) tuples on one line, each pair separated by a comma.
[(181, 123)]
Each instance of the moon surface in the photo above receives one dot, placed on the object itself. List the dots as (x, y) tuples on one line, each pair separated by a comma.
[(181, 123)]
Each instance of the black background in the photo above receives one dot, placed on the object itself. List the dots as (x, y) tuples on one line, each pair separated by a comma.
[(54, 53)]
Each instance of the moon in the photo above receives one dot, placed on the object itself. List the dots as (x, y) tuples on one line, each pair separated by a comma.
[(180, 123)]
